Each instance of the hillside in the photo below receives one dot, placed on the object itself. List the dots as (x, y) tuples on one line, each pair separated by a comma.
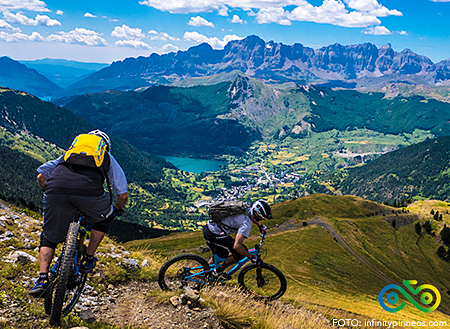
[(420, 170), (339, 252), (17, 76), (33, 131), (362, 66)]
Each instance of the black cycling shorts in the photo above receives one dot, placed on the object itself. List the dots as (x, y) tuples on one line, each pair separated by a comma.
[(221, 245)]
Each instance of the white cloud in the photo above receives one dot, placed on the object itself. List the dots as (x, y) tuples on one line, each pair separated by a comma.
[(79, 36), (170, 48), (200, 21), (89, 15), (402, 32), (127, 33), (41, 20), (8, 27), (237, 20), (273, 15), (154, 35), (133, 44), (347, 13), (377, 30), (440, 0), (372, 7), (333, 12), (59, 12), (16, 37), (30, 5), (214, 42)]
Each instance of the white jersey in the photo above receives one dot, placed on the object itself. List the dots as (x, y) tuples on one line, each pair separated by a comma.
[(241, 224)]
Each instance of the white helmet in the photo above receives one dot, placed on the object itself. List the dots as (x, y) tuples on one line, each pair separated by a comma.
[(262, 208), (103, 135)]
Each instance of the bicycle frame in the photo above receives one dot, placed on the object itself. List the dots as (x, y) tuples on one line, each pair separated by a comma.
[(217, 261)]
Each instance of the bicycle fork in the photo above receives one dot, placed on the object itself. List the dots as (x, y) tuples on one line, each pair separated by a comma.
[(259, 277)]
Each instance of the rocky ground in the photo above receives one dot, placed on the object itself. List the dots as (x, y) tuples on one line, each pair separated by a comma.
[(132, 305)]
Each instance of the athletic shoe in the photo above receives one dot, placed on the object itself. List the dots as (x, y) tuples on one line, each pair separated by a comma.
[(40, 289), (87, 266)]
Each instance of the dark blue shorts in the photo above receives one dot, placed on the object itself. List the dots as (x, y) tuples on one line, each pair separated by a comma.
[(221, 245), (60, 209)]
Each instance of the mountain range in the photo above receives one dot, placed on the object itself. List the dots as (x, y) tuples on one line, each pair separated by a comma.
[(362, 66), (63, 72)]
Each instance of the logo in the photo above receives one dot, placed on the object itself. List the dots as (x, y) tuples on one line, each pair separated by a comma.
[(426, 297)]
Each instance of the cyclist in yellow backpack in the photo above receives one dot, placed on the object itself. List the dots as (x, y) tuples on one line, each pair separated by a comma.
[(74, 182)]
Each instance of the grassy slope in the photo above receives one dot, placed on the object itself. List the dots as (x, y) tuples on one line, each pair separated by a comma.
[(323, 275)]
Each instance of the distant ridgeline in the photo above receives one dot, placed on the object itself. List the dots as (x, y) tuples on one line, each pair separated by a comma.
[(33, 131)]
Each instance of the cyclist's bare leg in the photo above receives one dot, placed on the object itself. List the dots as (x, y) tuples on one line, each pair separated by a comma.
[(45, 258), (94, 241)]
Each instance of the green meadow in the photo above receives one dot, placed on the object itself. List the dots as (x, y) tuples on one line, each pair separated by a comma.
[(342, 280)]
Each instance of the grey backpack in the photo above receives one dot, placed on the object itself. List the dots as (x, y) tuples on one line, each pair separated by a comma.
[(222, 209)]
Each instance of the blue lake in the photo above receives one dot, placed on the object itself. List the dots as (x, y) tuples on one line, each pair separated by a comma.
[(194, 165)]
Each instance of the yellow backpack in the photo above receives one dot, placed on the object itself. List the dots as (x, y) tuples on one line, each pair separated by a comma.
[(87, 150)]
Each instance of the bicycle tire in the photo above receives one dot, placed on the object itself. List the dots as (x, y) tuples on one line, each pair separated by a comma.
[(171, 275), (270, 275), (65, 270)]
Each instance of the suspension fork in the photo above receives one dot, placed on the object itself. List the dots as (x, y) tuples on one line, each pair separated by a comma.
[(259, 277)]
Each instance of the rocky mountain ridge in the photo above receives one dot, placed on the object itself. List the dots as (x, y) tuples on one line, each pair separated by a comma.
[(363, 66)]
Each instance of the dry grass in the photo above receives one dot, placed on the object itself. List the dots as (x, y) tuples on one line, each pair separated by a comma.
[(237, 310)]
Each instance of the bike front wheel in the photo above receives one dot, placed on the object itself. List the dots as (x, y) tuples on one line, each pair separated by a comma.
[(262, 281), (183, 270)]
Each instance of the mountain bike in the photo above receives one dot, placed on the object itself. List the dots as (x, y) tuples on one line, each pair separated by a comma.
[(66, 282), (261, 280)]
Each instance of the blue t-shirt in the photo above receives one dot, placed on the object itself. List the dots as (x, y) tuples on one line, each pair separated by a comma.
[(115, 174)]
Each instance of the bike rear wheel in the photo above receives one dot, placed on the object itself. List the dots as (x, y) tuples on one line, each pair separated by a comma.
[(262, 281), (183, 270), (63, 299)]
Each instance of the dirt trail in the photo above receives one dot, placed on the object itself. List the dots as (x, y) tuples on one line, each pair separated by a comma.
[(130, 305), (321, 221)]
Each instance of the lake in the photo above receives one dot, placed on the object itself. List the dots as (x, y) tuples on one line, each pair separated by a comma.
[(194, 165)]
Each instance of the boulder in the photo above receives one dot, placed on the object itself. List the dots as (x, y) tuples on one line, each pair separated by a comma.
[(129, 263), (21, 257)]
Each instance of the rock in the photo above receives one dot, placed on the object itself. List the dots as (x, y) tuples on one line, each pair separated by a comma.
[(175, 301), (87, 315), (190, 297), (21, 257), (129, 263), (146, 263)]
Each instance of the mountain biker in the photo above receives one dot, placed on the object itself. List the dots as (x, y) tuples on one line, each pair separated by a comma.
[(68, 188), (218, 237)]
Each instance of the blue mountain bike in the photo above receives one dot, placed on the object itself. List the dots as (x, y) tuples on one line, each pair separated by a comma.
[(261, 280)]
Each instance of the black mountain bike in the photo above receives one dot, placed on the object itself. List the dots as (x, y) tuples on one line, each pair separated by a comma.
[(261, 280), (66, 283)]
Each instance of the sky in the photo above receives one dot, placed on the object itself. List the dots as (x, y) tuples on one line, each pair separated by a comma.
[(105, 31)]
